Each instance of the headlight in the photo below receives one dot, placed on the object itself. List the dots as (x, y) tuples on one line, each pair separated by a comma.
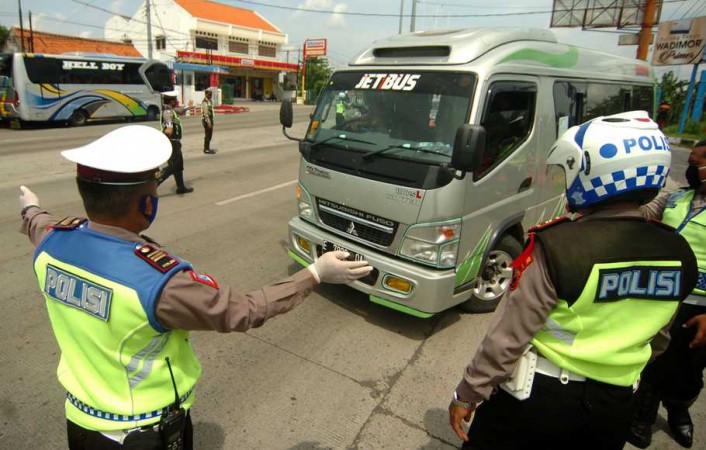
[(434, 244), (306, 211)]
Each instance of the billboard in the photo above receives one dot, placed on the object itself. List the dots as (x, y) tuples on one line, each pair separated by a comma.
[(314, 47), (680, 42), (600, 13)]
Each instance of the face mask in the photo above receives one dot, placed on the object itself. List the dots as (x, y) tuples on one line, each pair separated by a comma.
[(143, 207), (692, 176)]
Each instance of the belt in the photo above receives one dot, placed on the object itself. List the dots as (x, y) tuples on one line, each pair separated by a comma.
[(119, 417), (695, 299), (548, 368)]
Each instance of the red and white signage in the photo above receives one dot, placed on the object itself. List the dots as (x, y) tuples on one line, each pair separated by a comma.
[(314, 47)]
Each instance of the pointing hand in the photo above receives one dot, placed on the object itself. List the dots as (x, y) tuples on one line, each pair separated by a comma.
[(28, 198)]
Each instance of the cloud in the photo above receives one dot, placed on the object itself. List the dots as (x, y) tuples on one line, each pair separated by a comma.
[(117, 6), (86, 34), (336, 19)]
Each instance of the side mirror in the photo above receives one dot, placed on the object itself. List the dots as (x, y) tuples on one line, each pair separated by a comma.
[(157, 76), (286, 115), (469, 147)]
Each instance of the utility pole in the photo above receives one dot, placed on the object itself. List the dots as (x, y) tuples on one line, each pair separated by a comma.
[(31, 34), (149, 29), (648, 21), (401, 15), (414, 15), (22, 27)]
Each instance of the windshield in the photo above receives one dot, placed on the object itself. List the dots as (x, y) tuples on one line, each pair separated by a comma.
[(401, 114)]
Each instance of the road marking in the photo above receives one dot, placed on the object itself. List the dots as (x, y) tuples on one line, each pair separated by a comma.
[(253, 194)]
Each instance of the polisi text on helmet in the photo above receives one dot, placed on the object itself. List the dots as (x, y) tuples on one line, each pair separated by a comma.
[(646, 143)]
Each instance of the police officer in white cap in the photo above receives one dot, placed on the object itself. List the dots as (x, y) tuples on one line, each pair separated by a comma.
[(589, 297), (121, 307), (172, 128)]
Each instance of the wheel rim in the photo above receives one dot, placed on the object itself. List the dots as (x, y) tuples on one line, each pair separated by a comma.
[(497, 275)]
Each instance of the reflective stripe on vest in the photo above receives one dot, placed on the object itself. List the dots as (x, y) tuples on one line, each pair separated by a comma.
[(117, 417), (101, 301), (676, 214)]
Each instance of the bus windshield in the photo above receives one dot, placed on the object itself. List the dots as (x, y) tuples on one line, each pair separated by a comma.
[(5, 74), (402, 114)]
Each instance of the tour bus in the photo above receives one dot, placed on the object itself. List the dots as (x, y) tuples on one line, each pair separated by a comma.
[(74, 89), (426, 157)]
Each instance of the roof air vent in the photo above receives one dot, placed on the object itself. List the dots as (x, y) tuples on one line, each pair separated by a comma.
[(413, 52)]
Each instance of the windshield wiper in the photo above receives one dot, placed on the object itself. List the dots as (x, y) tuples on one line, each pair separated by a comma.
[(342, 137), (404, 147)]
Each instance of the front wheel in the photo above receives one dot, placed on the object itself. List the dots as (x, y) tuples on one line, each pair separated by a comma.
[(152, 113), (494, 277)]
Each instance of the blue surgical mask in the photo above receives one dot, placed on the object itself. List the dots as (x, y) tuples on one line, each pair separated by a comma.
[(143, 207)]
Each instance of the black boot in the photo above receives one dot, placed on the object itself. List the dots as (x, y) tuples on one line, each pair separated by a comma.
[(646, 405), (679, 421), (181, 187)]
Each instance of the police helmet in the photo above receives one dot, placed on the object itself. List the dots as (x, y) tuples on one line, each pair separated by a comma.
[(341, 95), (169, 95), (622, 155)]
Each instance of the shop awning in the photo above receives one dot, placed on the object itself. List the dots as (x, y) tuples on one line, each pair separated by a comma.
[(195, 58), (174, 65)]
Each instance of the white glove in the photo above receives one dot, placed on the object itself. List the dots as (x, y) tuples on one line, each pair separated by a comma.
[(28, 198), (332, 267)]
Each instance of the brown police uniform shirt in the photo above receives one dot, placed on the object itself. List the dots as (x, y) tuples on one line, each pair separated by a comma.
[(192, 305), (655, 208), (520, 315)]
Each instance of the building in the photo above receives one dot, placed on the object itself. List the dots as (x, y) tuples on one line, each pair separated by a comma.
[(210, 44), (41, 42)]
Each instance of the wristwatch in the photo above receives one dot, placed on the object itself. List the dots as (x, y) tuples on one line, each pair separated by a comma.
[(460, 403)]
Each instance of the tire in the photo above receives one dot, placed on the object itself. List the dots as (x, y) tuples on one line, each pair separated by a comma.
[(79, 118), (495, 276), (152, 113)]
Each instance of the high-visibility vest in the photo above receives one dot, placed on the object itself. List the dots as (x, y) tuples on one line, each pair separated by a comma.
[(177, 131), (101, 297), (613, 296), (676, 214)]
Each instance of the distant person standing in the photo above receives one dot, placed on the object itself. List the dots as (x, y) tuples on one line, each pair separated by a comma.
[(171, 127), (663, 114), (207, 117)]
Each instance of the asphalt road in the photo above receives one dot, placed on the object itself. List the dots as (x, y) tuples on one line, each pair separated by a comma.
[(337, 372)]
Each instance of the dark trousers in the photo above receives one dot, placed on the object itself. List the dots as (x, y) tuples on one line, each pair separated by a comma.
[(208, 130), (83, 439), (678, 372), (175, 165), (578, 415)]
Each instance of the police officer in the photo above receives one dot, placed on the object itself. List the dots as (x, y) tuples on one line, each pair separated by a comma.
[(676, 377), (588, 295), (207, 119), (171, 127), (121, 307), (340, 109)]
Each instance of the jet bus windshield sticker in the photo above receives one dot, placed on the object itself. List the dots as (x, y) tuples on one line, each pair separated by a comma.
[(388, 81)]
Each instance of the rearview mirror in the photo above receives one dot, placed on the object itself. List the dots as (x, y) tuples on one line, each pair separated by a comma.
[(286, 115), (157, 76), (469, 147)]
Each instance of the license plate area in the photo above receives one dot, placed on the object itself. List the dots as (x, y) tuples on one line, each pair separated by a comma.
[(369, 279)]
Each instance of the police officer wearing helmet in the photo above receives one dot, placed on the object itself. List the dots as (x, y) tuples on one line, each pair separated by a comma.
[(676, 377), (121, 307), (171, 127), (587, 297), (340, 109)]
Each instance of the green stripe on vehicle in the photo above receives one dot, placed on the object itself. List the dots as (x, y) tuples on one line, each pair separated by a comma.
[(469, 268), (562, 60), (400, 308), (298, 258)]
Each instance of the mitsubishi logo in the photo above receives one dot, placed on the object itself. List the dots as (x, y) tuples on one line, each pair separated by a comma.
[(351, 230)]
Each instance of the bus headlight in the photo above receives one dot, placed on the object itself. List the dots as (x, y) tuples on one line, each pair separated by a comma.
[(433, 244), (306, 210)]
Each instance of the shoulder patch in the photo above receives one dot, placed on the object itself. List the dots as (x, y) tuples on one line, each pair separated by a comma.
[(208, 280), (156, 257), (549, 223), (522, 262), (69, 223)]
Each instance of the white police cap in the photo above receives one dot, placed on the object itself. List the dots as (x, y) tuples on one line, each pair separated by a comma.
[(173, 93), (128, 155)]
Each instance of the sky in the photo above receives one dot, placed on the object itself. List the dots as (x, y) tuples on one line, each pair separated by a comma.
[(344, 24)]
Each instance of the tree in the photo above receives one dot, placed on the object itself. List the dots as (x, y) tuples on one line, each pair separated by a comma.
[(674, 93), (318, 72), (4, 33)]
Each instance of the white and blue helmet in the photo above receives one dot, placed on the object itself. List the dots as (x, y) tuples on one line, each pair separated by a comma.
[(610, 156)]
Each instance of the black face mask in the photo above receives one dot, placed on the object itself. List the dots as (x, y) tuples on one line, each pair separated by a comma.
[(692, 176)]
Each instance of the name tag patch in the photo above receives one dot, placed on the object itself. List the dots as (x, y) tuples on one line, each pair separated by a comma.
[(78, 293), (640, 283)]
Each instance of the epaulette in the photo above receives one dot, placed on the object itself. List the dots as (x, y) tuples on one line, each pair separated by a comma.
[(156, 257), (69, 223), (549, 223)]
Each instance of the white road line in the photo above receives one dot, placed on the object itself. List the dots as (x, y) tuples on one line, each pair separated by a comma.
[(253, 194)]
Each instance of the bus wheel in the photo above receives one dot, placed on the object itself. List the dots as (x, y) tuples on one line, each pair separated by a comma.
[(152, 113), (495, 276), (79, 118)]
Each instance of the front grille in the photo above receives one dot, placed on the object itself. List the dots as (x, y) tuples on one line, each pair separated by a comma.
[(356, 223)]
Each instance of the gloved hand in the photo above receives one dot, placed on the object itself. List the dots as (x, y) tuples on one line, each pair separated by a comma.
[(28, 198), (332, 267)]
